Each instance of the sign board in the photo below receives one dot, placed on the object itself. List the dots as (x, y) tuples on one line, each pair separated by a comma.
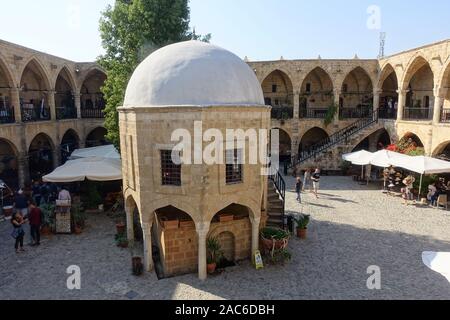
[(258, 260)]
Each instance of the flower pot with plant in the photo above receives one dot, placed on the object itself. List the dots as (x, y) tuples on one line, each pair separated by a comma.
[(274, 239), (302, 222), (121, 241), (48, 218), (214, 254), (78, 218)]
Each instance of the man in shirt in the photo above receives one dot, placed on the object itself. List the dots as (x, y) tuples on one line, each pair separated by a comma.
[(64, 194), (35, 219), (316, 182)]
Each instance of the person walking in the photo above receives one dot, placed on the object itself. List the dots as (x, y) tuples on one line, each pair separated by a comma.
[(18, 233), (35, 219), (307, 180), (316, 182), (298, 189)]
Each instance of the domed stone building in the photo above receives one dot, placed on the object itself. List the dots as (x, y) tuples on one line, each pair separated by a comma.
[(193, 87)]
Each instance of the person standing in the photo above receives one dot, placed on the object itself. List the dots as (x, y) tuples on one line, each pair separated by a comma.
[(298, 189), (316, 182), (18, 233), (21, 203), (35, 219), (307, 180), (36, 195), (64, 194)]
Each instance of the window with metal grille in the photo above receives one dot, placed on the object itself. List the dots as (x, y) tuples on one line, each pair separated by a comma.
[(171, 172), (234, 166)]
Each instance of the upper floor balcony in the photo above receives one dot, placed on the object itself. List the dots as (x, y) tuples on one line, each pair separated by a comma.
[(418, 114), (35, 112), (282, 113), (445, 115), (6, 113), (93, 106)]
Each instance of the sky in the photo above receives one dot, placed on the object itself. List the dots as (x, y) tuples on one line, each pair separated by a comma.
[(258, 29)]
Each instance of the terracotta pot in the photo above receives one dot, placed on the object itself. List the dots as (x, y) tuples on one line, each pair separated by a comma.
[(279, 244), (138, 266), (301, 233), (226, 218), (77, 230), (211, 268), (121, 228)]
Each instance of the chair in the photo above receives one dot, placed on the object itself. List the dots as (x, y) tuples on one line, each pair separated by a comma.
[(442, 201)]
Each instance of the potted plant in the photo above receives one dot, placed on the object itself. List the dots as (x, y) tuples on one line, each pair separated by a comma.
[(302, 222), (121, 241), (48, 218), (213, 247), (274, 239), (78, 219), (120, 227)]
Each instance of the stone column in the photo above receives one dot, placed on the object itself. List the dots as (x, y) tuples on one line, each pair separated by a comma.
[(56, 155), (130, 222), (202, 232), (23, 169), (51, 104), (376, 99), (147, 235), (401, 103), (15, 102), (77, 100), (439, 96), (256, 221), (296, 105), (337, 97)]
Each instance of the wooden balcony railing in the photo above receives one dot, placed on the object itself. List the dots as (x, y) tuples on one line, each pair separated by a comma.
[(313, 113), (92, 113), (6, 114), (32, 113), (282, 113), (418, 114)]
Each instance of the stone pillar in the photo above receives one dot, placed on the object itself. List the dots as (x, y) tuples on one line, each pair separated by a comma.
[(296, 105), (15, 102), (337, 97), (439, 96), (376, 99), (23, 169), (56, 155), (77, 100), (130, 222), (51, 104), (401, 104), (147, 235), (202, 232), (256, 222)]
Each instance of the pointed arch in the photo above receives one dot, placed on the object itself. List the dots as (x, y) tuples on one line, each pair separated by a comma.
[(6, 72), (35, 65), (414, 65), (278, 89)]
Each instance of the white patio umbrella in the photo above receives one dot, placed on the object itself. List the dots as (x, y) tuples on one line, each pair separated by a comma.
[(360, 158), (422, 165), (94, 169), (108, 152), (386, 158)]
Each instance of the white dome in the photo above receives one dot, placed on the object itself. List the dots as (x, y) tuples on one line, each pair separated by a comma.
[(193, 73)]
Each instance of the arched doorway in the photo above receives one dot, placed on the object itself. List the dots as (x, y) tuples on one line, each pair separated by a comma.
[(389, 95), (69, 143), (92, 99), (285, 144), (64, 99), (97, 137), (443, 151), (175, 250), (312, 137), (232, 228), (40, 156), (445, 114), (357, 95), (9, 164), (34, 87), (378, 140), (411, 144), (6, 107), (316, 94), (419, 82), (279, 93)]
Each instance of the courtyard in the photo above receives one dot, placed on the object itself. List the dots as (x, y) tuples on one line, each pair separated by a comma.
[(353, 227)]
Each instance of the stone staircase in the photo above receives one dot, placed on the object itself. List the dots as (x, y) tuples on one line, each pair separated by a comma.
[(325, 152), (276, 207)]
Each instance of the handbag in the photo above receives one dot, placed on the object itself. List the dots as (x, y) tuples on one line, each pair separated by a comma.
[(17, 232)]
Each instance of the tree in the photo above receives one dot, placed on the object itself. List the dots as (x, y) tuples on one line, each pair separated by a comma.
[(131, 30)]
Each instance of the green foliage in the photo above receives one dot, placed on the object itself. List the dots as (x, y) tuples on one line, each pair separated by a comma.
[(302, 221), (426, 181), (273, 233), (92, 197), (121, 239), (416, 152), (329, 116), (48, 214), (130, 31), (281, 256), (214, 250), (78, 215)]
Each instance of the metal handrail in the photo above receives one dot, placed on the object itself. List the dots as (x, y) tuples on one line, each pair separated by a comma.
[(280, 186), (338, 137)]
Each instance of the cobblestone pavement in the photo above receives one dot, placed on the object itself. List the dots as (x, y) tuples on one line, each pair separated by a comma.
[(353, 228)]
